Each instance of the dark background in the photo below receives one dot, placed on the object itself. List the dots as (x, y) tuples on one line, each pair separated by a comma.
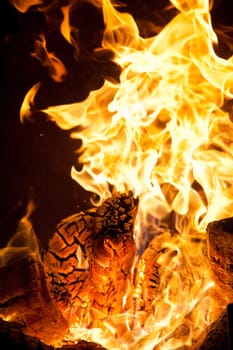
[(36, 157)]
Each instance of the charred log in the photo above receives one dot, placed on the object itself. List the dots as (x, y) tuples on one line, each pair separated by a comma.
[(147, 279), (86, 268), (90, 257), (12, 338), (113, 253), (87, 271), (230, 325), (67, 263), (217, 336), (220, 254), (83, 345), (25, 298)]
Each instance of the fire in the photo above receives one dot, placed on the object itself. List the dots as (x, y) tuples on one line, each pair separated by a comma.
[(163, 134)]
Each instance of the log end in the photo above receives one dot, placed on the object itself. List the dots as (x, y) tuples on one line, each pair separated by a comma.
[(220, 254)]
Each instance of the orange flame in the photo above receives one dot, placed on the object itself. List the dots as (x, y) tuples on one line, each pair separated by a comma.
[(23, 243), (162, 133), (25, 5)]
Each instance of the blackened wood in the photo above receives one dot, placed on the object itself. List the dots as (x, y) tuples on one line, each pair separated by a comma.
[(83, 345), (230, 326), (25, 298), (67, 263), (89, 259), (147, 279), (216, 338), (113, 253), (220, 254), (12, 338)]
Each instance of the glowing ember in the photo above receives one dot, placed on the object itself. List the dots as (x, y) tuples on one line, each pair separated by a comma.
[(162, 134)]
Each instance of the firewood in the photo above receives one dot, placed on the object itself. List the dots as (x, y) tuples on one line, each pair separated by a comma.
[(83, 345), (215, 335), (220, 254), (67, 263), (153, 271), (12, 338), (87, 267), (147, 277), (113, 253), (25, 298), (87, 272), (89, 259)]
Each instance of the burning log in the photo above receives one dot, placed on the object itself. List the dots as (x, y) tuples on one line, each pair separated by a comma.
[(25, 298), (12, 338), (37, 296), (67, 264), (90, 257), (86, 268), (148, 272), (216, 335), (113, 253), (220, 254), (87, 272), (83, 345)]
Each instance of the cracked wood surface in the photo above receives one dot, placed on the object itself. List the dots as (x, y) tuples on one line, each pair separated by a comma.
[(90, 257), (87, 270), (220, 254), (25, 298)]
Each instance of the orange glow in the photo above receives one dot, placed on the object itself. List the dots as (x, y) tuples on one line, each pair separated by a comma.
[(23, 243), (24, 5), (161, 133), (56, 68)]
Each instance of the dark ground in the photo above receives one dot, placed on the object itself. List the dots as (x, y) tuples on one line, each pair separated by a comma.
[(36, 157)]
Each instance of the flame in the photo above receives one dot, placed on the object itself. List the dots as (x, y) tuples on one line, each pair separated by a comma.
[(25, 5), (56, 67), (24, 242), (163, 133)]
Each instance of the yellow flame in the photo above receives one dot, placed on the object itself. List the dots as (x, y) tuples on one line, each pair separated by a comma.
[(162, 133), (163, 123), (26, 107)]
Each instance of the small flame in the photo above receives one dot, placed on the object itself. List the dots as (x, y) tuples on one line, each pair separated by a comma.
[(24, 242), (27, 105), (56, 67), (162, 133), (25, 5)]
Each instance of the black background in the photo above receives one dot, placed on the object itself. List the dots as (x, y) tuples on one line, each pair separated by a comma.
[(36, 157)]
